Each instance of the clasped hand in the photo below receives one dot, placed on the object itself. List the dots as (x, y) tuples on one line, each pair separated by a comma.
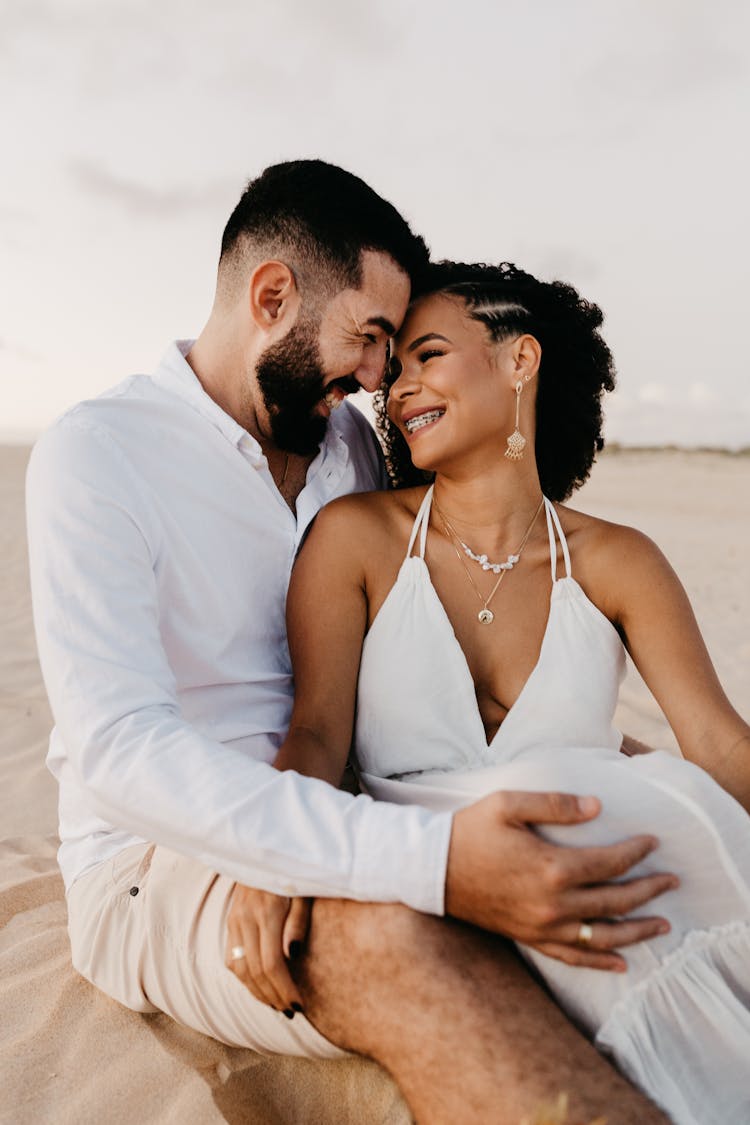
[(503, 877), (264, 931)]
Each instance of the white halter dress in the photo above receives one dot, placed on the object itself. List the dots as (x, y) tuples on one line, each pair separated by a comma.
[(678, 1022)]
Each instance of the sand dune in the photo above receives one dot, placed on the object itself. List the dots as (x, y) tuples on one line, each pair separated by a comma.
[(70, 1055)]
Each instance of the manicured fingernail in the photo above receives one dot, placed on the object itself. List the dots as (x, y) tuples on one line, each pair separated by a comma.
[(295, 948), (289, 1013), (297, 1007), (663, 928), (588, 805)]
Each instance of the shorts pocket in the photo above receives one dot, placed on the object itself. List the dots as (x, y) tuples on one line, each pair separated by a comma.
[(128, 870)]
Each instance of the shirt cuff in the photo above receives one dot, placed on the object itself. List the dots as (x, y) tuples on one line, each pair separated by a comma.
[(402, 856)]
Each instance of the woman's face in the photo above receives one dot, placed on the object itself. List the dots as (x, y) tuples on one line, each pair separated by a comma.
[(454, 394)]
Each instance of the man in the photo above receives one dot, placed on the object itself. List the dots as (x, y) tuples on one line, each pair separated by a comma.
[(164, 518)]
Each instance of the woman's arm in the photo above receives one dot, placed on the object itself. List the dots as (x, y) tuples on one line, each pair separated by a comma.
[(326, 623), (651, 608)]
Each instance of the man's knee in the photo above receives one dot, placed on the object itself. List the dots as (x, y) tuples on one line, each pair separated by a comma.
[(362, 961), (371, 969), (393, 946)]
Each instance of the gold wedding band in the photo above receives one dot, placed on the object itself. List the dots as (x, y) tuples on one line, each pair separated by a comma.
[(237, 953), (585, 933)]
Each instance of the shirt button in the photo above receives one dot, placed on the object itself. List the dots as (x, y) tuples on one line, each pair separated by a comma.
[(134, 891)]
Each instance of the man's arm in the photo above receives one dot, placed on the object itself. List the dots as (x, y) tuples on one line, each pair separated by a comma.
[(95, 552)]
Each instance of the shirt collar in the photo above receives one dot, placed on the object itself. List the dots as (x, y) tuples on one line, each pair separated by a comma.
[(175, 374)]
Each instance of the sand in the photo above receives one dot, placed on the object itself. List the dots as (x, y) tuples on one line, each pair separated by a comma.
[(70, 1055), (696, 506)]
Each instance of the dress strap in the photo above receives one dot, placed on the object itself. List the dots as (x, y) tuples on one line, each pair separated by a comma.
[(553, 524), (421, 522)]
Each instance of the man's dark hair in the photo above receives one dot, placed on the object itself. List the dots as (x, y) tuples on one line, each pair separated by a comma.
[(576, 366), (318, 219)]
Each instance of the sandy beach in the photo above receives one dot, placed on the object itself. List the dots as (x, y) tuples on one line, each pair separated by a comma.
[(70, 1055)]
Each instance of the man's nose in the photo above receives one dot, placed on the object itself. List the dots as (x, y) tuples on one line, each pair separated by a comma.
[(370, 380), (371, 370)]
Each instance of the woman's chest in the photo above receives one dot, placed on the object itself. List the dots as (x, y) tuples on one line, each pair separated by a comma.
[(419, 706), (499, 623)]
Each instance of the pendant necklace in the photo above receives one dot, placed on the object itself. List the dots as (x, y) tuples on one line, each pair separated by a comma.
[(485, 615)]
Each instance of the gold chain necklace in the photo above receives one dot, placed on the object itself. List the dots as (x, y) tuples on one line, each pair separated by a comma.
[(485, 615)]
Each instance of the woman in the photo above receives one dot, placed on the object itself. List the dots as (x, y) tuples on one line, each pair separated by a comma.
[(480, 627)]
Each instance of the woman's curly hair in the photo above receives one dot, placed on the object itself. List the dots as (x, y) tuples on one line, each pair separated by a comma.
[(576, 367)]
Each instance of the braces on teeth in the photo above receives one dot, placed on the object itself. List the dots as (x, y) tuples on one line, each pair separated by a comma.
[(423, 420)]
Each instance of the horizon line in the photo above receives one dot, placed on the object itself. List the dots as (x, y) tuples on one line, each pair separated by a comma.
[(27, 436)]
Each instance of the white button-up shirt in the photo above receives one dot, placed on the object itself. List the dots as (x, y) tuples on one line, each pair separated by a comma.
[(160, 553)]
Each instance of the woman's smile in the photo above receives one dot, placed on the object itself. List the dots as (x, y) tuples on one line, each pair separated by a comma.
[(414, 421)]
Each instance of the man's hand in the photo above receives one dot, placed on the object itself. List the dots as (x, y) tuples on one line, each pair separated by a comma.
[(504, 877), (262, 929)]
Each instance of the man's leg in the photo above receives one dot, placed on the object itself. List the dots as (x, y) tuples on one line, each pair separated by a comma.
[(449, 1011), (455, 1017), (149, 927)]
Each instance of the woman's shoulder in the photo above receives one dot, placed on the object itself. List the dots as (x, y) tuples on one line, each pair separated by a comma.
[(603, 537), (372, 509), (611, 560), (368, 526)]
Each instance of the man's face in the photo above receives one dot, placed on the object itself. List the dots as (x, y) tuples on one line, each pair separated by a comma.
[(309, 372)]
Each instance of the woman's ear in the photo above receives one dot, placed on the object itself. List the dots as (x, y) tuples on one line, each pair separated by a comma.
[(273, 296), (527, 355)]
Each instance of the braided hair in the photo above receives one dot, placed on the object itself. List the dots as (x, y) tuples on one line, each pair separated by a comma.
[(576, 367)]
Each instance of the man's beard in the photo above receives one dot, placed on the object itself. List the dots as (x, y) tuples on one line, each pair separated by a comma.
[(291, 379)]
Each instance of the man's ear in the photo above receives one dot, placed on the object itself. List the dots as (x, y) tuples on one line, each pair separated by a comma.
[(273, 296)]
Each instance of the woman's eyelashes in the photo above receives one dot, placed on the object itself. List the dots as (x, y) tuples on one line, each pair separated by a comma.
[(394, 366)]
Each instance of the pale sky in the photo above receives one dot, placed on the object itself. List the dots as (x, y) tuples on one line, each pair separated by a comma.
[(600, 141)]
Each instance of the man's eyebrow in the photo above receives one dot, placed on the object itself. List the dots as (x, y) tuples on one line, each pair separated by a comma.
[(382, 322), (427, 336)]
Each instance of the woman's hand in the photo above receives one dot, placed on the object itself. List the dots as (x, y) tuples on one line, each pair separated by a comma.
[(263, 930)]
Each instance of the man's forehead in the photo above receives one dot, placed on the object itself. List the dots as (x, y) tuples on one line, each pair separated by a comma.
[(383, 294), (379, 269)]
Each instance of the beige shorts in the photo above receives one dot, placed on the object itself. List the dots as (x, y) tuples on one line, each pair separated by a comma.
[(149, 928)]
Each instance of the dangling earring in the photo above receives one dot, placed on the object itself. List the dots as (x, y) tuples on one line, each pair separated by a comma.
[(516, 441)]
